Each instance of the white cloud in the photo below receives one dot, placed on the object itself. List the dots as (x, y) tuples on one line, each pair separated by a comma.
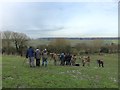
[(93, 19), (59, 0), (98, 22)]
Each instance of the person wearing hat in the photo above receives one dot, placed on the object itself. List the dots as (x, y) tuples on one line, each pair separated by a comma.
[(44, 57)]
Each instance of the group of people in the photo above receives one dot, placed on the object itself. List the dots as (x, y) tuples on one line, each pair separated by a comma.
[(59, 59), (31, 54), (64, 58)]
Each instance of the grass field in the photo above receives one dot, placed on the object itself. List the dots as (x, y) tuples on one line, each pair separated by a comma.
[(16, 74)]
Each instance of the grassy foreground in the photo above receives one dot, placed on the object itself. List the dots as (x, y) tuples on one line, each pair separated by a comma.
[(17, 74)]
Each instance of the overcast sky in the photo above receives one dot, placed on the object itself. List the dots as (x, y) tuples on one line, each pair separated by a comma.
[(61, 19)]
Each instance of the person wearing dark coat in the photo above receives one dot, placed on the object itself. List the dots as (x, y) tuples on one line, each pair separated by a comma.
[(30, 54), (68, 59), (62, 58)]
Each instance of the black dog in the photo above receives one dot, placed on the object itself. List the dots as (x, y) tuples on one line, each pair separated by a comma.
[(77, 64), (100, 62)]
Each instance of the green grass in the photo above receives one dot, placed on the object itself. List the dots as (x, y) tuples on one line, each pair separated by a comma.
[(18, 74)]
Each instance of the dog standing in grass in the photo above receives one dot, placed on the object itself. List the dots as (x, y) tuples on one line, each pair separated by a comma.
[(100, 63)]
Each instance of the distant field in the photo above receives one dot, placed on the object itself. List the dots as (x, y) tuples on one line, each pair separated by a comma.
[(38, 42), (73, 42), (16, 73)]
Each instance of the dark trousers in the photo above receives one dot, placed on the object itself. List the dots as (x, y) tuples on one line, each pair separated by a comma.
[(62, 62), (55, 62), (67, 62), (37, 62)]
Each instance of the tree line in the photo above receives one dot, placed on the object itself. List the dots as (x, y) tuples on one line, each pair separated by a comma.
[(17, 43), (94, 46)]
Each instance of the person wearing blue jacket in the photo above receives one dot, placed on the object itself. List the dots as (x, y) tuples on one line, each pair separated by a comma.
[(30, 54), (62, 58)]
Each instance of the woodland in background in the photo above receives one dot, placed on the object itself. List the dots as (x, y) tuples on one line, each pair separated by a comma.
[(16, 43)]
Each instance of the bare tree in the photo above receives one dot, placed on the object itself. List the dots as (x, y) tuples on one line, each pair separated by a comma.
[(6, 40), (20, 41)]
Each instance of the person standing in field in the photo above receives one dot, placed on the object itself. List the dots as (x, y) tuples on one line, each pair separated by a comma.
[(88, 60), (69, 59), (83, 60), (66, 58), (37, 56), (73, 60), (51, 56), (30, 54), (55, 58), (62, 58), (44, 58)]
